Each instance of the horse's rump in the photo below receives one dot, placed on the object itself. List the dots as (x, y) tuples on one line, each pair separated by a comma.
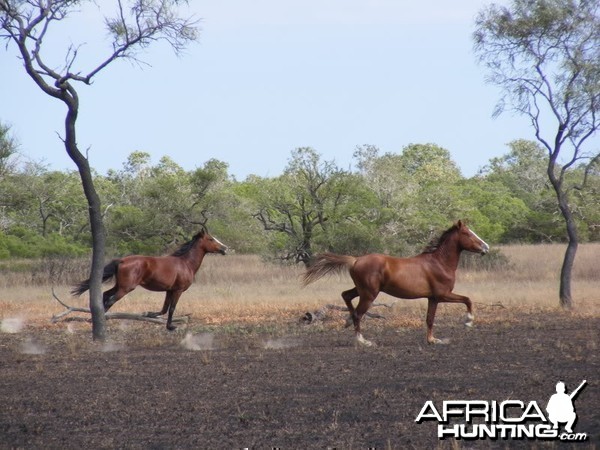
[(110, 271)]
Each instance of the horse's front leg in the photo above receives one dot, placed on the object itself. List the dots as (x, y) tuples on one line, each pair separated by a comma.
[(456, 298), (164, 309), (446, 298), (174, 299)]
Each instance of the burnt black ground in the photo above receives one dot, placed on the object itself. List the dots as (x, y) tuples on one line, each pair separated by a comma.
[(307, 388)]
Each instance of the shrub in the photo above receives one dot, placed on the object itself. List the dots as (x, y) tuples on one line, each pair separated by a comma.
[(494, 260)]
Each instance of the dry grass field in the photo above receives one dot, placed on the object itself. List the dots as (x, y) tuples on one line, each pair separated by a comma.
[(243, 289), (245, 372)]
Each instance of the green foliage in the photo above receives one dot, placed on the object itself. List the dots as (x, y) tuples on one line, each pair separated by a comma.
[(8, 147), (350, 237), (20, 242), (523, 172), (491, 208), (395, 203), (304, 208)]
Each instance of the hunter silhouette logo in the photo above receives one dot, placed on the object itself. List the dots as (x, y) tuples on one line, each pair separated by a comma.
[(560, 406)]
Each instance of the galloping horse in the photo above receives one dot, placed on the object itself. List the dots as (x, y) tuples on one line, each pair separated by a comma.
[(173, 274), (430, 274)]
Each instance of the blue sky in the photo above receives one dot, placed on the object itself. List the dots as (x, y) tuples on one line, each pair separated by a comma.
[(269, 76)]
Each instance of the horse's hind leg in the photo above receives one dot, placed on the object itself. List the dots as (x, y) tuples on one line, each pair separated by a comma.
[(348, 296), (365, 302), (111, 297)]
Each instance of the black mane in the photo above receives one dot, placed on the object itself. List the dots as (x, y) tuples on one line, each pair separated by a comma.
[(434, 244), (185, 248)]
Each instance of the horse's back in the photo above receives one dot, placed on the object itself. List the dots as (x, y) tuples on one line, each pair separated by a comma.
[(380, 261), (400, 277), (156, 273)]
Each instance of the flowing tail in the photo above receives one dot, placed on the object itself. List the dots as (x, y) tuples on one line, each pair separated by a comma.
[(327, 263), (110, 271)]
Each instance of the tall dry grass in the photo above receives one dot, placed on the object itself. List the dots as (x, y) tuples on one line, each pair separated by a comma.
[(246, 289), (533, 278)]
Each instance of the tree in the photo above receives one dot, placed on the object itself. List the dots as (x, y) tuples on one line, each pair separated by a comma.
[(417, 192), (49, 201), (302, 202), (545, 55), (27, 24), (8, 147), (523, 171), (491, 207), (155, 202)]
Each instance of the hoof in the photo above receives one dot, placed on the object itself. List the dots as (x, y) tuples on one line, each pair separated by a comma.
[(469, 320), (349, 322), (171, 327), (361, 341), (438, 341)]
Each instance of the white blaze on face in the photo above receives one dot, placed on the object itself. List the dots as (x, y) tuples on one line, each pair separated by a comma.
[(484, 247), (223, 248)]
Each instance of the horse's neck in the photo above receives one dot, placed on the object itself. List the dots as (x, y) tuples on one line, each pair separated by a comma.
[(449, 253), (194, 258)]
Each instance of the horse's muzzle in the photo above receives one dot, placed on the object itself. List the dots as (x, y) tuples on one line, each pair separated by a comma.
[(485, 249), (223, 250)]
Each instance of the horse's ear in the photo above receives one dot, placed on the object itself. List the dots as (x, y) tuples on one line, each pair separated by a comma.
[(459, 224)]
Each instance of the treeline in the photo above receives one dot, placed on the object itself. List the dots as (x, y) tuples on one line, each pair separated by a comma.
[(390, 202)]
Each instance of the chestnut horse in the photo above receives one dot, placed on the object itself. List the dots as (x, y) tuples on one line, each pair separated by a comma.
[(430, 274), (173, 274)]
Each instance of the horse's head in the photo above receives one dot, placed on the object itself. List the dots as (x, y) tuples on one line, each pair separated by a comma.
[(211, 244), (469, 241)]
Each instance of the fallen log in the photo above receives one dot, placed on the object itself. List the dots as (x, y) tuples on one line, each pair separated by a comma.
[(144, 317), (321, 314)]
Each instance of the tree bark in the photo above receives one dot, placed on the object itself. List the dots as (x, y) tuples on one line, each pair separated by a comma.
[(564, 292), (95, 213), (566, 299)]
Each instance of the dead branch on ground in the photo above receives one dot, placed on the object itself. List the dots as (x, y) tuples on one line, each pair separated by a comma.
[(123, 316), (321, 314)]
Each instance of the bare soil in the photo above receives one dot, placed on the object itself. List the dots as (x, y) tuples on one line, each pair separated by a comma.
[(292, 386)]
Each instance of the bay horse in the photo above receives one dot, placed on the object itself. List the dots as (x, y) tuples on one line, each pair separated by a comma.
[(173, 273), (430, 275)]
